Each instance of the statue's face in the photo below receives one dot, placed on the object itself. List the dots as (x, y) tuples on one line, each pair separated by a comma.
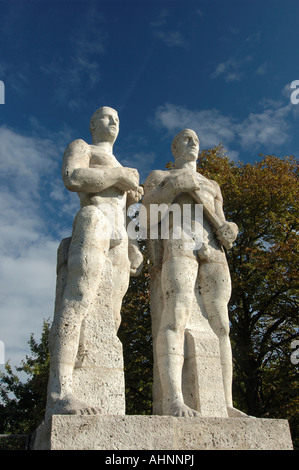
[(106, 124), (187, 146)]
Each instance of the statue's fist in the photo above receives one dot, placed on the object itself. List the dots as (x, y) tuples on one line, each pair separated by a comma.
[(129, 178), (227, 234), (135, 195)]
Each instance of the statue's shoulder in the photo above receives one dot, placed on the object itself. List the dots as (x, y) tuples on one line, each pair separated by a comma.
[(75, 148), (155, 178), (215, 183), (218, 190), (216, 186), (78, 144)]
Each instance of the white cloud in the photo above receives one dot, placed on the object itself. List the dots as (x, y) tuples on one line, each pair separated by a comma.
[(267, 128), (161, 19), (81, 71), (27, 296), (232, 69), (210, 125), (28, 242), (142, 161), (262, 69), (24, 159), (254, 38), (172, 38)]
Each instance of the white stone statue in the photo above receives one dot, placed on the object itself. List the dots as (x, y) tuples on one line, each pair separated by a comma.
[(94, 264), (190, 284)]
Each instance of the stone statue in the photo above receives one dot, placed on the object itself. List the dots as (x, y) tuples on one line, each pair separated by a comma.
[(95, 262), (190, 280)]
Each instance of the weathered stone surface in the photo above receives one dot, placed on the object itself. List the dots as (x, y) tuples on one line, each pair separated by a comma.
[(161, 433), (93, 270), (202, 374), (190, 288), (98, 377)]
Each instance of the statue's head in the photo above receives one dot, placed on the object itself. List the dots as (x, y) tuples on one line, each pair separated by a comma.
[(185, 145), (104, 125)]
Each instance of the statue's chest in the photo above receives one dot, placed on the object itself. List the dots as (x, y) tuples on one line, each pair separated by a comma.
[(99, 158)]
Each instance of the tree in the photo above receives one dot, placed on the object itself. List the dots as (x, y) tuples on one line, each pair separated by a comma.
[(23, 404), (135, 335), (261, 198)]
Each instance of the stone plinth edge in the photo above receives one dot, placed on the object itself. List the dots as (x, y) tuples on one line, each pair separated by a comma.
[(106, 432)]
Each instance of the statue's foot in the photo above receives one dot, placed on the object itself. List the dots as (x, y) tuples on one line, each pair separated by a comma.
[(179, 409), (235, 413), (69, 405)]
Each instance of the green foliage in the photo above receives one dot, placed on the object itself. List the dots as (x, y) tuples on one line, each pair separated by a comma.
[(135, 335), (262, 199), (23, 404)]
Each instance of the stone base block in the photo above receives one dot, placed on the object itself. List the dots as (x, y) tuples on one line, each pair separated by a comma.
[(161, 433)]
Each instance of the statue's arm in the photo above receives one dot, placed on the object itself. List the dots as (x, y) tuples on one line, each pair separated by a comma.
[(154, 188), (78, 177), (228, 231), (219, 204), (163, 186)]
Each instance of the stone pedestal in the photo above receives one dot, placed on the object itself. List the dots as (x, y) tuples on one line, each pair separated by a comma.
[(161, 433), (98, 377)]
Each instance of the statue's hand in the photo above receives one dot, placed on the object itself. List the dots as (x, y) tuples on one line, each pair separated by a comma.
[(136, 259), (185, 181), (128, 179), (134, 196), (227, 233)]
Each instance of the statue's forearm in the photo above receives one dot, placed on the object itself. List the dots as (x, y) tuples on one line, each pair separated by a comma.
[(91, 180)]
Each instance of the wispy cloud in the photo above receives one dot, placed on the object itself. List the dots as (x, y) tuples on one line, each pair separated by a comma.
[(142, 161), (266, 129), (211, 125), (232, 69), (160, 29), (28, 242), (262, 69), (15, 75), (254, 38), (161, 19), (81, 70), (171, 38)]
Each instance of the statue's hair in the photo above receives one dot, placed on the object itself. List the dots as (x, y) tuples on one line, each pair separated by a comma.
[(178, 137)]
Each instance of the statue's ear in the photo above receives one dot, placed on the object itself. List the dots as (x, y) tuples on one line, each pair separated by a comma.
[(92, 125)]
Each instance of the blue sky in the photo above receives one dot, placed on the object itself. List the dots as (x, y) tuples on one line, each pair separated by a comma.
[(222, 68)]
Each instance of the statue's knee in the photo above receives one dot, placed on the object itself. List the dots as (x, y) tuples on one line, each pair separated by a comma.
[(88, 215), (220, 326)]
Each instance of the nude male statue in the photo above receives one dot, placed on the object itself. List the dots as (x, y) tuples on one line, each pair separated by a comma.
[(182, 265), (105, 189)]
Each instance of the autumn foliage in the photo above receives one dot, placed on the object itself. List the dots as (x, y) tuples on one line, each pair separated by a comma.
[(262, 199)]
